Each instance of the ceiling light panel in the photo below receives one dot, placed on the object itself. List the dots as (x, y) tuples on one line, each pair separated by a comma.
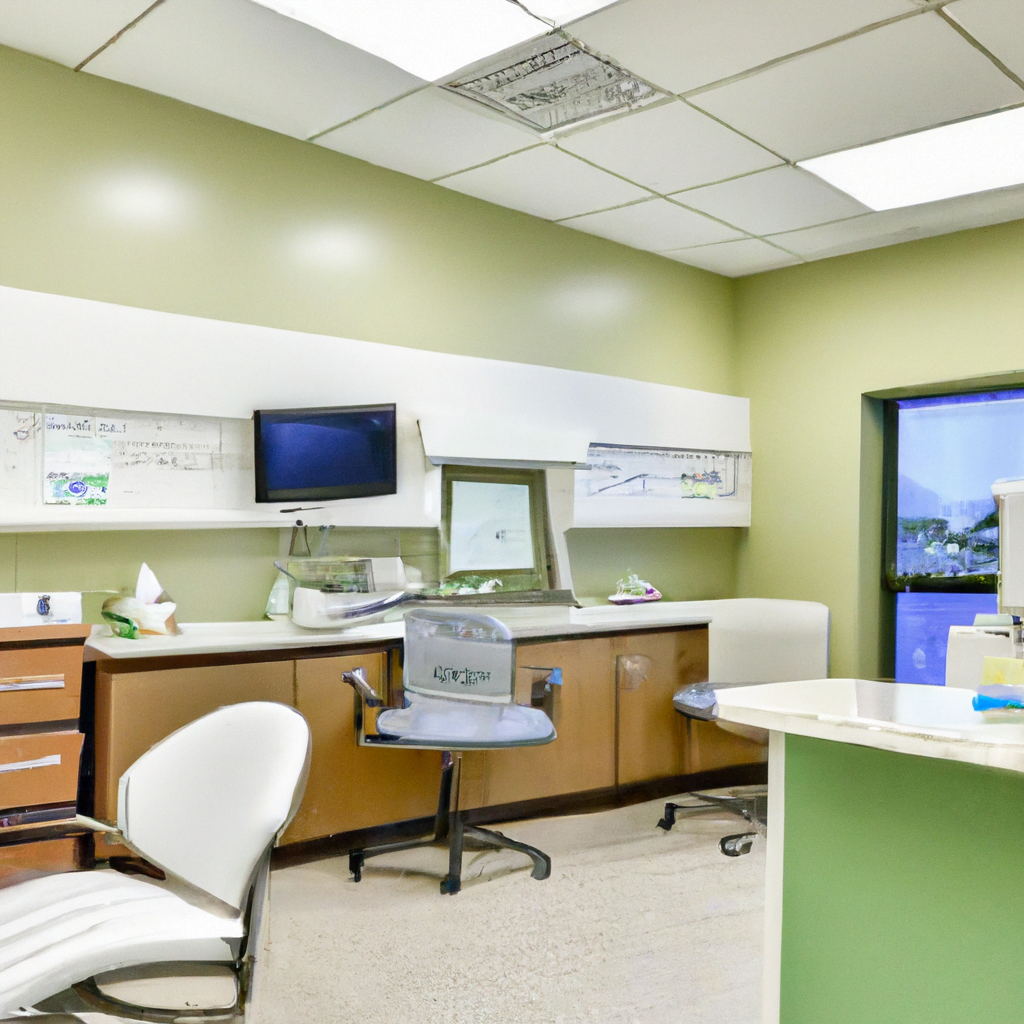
[(428, 134), (65, 31), (555, 84), (887, 82), (668, 148), (735, 259), (682, 44), (997, 25), (239, 59), (780, 199), (940, 163), (654, 225), (428, 38), (906, 224), (546, 183)]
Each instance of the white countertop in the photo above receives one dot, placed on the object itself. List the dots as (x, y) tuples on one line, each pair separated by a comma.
[(282, 634), (909, 718)]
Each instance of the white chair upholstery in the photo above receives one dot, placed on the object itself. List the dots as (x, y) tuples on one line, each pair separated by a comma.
[(204, 805)]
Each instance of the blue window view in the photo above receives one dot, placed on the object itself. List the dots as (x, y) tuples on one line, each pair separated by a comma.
[(951, 450), (922, 626)]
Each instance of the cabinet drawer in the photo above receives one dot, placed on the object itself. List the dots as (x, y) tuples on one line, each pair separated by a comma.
[(41, 768), (21, 861), (41, 684)]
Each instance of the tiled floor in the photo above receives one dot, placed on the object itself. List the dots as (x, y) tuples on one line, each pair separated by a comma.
[(634, 925)]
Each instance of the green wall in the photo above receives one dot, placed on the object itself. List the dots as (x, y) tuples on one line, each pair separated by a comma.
[(899, 899), (259, 228), (810, 341)]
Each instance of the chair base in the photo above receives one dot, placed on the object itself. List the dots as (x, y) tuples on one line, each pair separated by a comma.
[(449, 828), (753, 807)]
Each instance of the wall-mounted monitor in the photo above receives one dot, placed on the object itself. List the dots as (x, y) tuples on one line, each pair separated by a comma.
[(320, 454)]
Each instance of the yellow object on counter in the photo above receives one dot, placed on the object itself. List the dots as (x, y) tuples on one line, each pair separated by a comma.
[(1002, 672)]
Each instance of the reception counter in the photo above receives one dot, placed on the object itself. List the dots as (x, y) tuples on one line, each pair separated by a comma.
[(895, 839)]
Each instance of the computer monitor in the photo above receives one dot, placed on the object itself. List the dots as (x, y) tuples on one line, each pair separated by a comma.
[(321, 454)]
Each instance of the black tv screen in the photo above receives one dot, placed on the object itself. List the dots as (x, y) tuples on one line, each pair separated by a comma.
[(318, 454)]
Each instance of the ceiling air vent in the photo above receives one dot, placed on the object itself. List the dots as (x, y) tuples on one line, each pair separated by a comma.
[(553, 85)]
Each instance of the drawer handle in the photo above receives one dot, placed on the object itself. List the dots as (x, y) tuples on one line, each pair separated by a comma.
[(31, 683), (39, 762)]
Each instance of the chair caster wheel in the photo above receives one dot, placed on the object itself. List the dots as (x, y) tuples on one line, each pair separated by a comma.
[(355, 865), (450, 885), (737, 845)]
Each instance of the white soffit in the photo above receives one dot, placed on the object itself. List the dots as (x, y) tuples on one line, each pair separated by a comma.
[(66, 31), (239, 59), (735, 259), (997, 25), (780, 199), (429, 38), (891, 81), (907, 224), (499, 440), (682, 44), (669, 147), (546, 183), (428, 134), (654, 225)]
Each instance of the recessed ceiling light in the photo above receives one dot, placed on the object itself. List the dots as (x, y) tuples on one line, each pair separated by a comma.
[(429, 38), (555, 83), (939, 163)]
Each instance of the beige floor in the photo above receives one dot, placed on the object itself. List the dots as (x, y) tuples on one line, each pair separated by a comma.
[(635, 926)]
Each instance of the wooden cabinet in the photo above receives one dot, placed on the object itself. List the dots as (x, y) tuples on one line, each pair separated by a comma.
[(613, 713), (353, 787), (582, 758), (135, 709), (40, 745)]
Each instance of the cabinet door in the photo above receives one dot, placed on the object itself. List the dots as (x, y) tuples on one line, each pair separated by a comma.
[(352, 787), (649, 668), (136, 709), (582, 758)]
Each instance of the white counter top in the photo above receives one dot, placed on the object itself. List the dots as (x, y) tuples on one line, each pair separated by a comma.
[(282, 634), (929, 721)]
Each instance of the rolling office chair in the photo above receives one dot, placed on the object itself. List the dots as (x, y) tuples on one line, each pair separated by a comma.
[(750, 641), (459, 679), (179, 941)]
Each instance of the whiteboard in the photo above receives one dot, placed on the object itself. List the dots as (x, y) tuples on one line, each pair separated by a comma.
[(183, 366)]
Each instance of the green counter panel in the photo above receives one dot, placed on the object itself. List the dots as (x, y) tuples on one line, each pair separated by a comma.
[(903, 898)]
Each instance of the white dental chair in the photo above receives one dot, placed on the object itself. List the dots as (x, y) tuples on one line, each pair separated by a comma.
[(180, 942), (459, 678), (750, 641)]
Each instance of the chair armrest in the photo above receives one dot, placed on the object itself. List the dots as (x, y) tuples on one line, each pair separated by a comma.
[(69, 827), (357, 680)]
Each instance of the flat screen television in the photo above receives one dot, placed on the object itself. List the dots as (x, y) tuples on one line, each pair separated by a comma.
[(320, 454)]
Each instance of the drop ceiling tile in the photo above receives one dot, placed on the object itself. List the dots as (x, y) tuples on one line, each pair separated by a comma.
[(242, 60), (654, 225), (682, 44), (65, 31), (428, 134), (546, 183), (780, 199), (896, 79), (997, 25), (735, 259), (890, 227), (669, 147)]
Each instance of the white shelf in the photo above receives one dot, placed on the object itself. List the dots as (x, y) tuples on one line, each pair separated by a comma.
[(41, 518)]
